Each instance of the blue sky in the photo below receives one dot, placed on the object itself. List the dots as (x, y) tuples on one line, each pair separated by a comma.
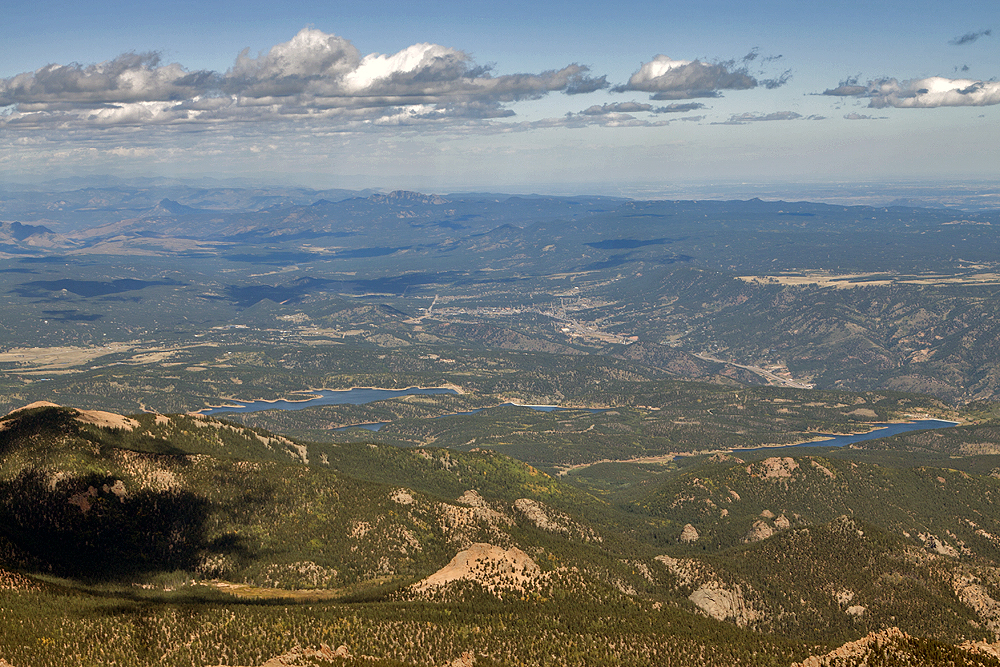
[(454, 95)]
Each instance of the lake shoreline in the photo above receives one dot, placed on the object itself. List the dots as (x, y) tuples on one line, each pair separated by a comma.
[(318, 394), (876, 426), (563, 470)]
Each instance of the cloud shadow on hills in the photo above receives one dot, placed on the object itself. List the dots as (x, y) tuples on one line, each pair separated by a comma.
[(80, 528), (626, 244), (295, 291), (86, 288)]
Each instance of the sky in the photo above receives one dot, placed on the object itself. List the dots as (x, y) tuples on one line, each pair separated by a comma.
[(444, 96)]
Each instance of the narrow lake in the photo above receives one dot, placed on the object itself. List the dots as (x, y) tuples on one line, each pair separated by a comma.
[(355, 396), (880, 430)]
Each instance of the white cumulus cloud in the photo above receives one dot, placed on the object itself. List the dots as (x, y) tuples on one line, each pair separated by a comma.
[(932, 92), (669, 79), (314, 75), (130, 77)]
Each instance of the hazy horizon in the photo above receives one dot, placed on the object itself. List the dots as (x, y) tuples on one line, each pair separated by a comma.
[(964, 195)]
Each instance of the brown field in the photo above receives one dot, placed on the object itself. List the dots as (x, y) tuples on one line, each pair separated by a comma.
[(59, 359), (247, 592), (850, 280), (44, 358)]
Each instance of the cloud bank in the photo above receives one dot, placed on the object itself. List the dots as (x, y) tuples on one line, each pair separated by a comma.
[(750, 117), (858, 116), (636, 107), (320, 84), (314, 75), (926, 93)]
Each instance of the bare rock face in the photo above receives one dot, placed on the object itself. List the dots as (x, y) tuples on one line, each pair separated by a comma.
[(341, 652), (843, 596), (723, 604), (689, 534)]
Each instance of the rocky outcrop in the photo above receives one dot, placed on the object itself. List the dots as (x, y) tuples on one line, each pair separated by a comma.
[(689, 534), (761, 530), (970, 591), (467, 659), (724, 604), (548, 519), (306, 656), (893, 646), (472, 520), (535, 512), (300, 657), (876, 642), (823, 469), (402, 497), (471, 498), (937, 545), (775, 467), (495, 569), (978, 648)]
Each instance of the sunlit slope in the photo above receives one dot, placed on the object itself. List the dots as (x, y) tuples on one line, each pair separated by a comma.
[(734, 502), (825, 547)]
